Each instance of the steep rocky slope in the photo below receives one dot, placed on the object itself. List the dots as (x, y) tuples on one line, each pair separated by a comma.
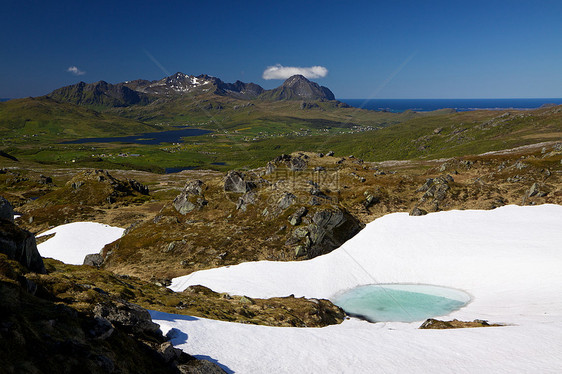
[(45, 329)]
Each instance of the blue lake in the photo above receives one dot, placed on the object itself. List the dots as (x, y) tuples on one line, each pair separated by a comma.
[(170, 136), (400, 302), (178, 169), (182, 168)]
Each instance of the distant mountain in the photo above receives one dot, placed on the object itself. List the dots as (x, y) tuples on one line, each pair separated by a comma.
[(100, 94), (142, 92), (298, 87)]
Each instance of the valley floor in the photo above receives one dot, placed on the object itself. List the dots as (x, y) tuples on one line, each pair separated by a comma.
[(508, 259)]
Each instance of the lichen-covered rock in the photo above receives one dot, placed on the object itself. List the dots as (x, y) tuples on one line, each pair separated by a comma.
[(370, 200), (235, 182), (191, 197), (296, 218), (195, 187), (286, 200), (20, 245), (245, 200), (455, 324)]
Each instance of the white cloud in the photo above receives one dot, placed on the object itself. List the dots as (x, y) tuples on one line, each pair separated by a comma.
[(283, 72), (74, 70)]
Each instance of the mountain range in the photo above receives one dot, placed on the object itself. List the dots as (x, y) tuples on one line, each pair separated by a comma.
[(142, 92)]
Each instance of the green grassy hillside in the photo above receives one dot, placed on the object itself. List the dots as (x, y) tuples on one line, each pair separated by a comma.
[(43, 119)]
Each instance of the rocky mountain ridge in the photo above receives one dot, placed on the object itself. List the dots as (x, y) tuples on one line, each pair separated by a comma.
[(143, 92)]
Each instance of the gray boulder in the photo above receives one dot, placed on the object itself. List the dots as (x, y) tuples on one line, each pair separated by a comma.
[(436, 188), (270, 168), (428, 183), (370, 200), (139, 187), (94, 259), (130, 316), (296, 218), (195, 187), (191, 197), (286, 200), (330, 228), (235, 182), (297, 163), (6, 210), (418, 212), (168, 352), (534, 190), (19, 245), (183, 205), (245, 200)]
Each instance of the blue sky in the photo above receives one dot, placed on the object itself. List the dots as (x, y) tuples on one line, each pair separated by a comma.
[(371, 49)]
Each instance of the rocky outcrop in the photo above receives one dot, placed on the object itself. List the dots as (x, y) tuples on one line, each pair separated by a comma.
[(435, 191), (94, 259), (38, 335), (139, 187), (296, 218), (191, 197), (235, 181), (418, 212), (297, 163), (286, 200), (455, 324), (329, 229), (536, 190), (6, 210), (245, 200), (130, 317), (93, 188), (293, 163), (20, 245)]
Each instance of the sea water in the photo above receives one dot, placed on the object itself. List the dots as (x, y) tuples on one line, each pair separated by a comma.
[(400, 302), (461, 105)]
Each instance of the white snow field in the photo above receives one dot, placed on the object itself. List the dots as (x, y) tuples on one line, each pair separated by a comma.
[(73, 241), (508, 259)]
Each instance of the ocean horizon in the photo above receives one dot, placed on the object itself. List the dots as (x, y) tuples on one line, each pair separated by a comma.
[(461, 105)]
